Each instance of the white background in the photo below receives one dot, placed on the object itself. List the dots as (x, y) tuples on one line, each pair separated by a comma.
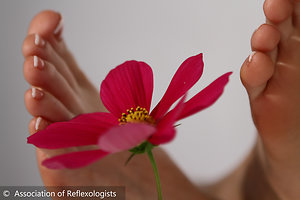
[(103, 34)]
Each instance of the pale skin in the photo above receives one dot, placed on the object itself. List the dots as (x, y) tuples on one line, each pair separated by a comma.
[(271, 77)]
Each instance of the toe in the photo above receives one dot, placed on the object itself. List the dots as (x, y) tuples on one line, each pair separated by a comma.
[(49, 25), (277, 10), (266, 39), (37, 124), (35, 45), (41, 103), (279, 13), (255, 72), (44, 75)]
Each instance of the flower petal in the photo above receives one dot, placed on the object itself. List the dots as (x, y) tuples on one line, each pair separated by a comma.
[(94, 118), (206, 97), (163, 136), (185, 77), (165, 127), (74, 160), (127, 86), (82, 130), (125, 137)]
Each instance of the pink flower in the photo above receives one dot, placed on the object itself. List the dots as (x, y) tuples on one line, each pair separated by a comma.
[(126, 92)]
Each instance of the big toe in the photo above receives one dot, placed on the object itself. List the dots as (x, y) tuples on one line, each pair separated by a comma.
[(255, 73), (259, 66), (48, 24)]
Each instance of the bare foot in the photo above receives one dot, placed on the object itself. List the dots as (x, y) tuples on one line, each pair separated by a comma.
[(60, 92), (271, 76)]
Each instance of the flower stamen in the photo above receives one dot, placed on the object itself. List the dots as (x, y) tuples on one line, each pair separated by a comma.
[(135, 116)]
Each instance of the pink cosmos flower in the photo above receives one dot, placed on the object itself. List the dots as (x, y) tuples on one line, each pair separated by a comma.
[(126, 92)]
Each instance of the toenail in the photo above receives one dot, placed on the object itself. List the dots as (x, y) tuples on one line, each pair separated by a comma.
[(37, 123), (58, 30), (38, 41), (251, 56), (38, 62), (36, 93)]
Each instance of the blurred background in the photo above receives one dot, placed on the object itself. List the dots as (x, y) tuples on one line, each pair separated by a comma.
[(103, 34)]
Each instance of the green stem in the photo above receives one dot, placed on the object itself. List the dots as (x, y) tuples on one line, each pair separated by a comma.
[(157, 179)]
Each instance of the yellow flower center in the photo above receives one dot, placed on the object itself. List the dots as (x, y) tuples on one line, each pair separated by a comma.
[(136, 116)]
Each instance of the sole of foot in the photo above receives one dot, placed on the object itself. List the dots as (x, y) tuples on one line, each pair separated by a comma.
[(271, 76)]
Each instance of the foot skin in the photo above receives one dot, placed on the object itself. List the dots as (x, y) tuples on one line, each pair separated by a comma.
[(61, 91), (271, 76)]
